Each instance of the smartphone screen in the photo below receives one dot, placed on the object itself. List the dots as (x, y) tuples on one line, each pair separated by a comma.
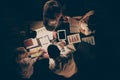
[(61, 34)]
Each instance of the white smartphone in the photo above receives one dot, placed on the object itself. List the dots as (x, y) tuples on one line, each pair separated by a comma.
[(61, 34)]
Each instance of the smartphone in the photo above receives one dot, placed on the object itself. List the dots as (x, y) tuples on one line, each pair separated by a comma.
[(61, 34)]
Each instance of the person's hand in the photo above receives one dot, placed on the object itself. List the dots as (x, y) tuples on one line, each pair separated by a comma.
[(42, 51), (46, 55), (54, 34), (62, 44)]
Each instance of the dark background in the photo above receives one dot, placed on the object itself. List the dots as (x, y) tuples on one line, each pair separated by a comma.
[(17, 14)]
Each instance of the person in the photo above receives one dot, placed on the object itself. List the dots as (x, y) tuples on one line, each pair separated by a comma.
[(52, 13), (54, 19), (60, 65), (64, 63), (82, 23), (24, 63)]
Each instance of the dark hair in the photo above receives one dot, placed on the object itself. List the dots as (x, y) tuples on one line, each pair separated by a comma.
[(53, 51)]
